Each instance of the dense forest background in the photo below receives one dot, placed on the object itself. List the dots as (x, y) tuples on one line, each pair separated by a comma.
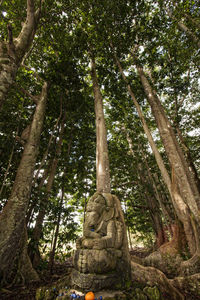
[(147, 61)]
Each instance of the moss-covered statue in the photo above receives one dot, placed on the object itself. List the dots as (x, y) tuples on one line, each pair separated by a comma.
[(102, 259)]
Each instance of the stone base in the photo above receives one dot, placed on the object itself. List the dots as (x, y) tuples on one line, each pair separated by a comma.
[(97, 282)]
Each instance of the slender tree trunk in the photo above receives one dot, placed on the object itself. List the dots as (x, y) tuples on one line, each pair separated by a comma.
[(53, 251), (12, 219), (177, 200), (102, 160), (7, 170), (185, 194), (189, 33), (151, 202), (168, 211), (44, 177), (154, 148), (30, 211), (129, 238), (49, 144), (167, 214), (34, 244), (188, 157), (185, 179), (183, 27), (153, 208), (128, 231), (13, 51)]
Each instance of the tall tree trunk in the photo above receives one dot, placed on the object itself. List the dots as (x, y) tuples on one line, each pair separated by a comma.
[(153, 209), (53, 251), (166, 205), (49, 144), (34, 244), (182, 26), (178, 203), (168, 215), (7, 170), (42, 163), (188, 157), (186, 150), (154, 148), (186, 194), (12, 219), (176, 157), (151, 202), (30, 211), (102, 160), (13, 51), (189, 33)]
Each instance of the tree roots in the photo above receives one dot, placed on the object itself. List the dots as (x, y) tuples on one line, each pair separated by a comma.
[(154, 277)]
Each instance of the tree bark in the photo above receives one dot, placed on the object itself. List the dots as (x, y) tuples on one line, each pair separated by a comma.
[(189, 33), (183, 27), (185, 192), (151, 202), (53, 251), (189, 285), (178, 202), (102, 160), (7, 170), (155, 277), (188, 157), (30, 211), (154, 148), (154, 211), (13, 51), (12, 219), (185, 178), (167, 215), (49, 144), (34, 244)]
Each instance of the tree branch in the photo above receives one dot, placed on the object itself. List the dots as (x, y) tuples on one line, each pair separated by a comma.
[(34, 73), (10, 34), (25, 92), (27, 33)]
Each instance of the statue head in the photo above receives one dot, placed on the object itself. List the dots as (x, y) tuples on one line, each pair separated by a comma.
[(96, 203)]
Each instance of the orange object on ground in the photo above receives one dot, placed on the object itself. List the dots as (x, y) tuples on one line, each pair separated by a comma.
[(89, 296)]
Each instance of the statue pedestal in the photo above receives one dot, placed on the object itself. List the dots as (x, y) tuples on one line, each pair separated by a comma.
[(96, 282)]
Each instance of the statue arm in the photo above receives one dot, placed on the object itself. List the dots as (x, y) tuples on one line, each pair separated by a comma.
[(111, 233), (108, 240), (90, 234)]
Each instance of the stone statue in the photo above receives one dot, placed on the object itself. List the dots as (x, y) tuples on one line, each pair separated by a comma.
[(102, 252)]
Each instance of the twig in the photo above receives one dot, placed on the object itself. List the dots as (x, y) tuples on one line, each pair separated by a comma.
[(25, 92), (34, 73)]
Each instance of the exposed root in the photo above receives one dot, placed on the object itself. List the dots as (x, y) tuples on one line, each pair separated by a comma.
[(25, 266), (154, 277), (167, 263), (25, 272), (189, 284), (190, 266)]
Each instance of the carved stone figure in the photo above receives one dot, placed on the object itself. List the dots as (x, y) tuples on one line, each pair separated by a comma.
[(102, 258)]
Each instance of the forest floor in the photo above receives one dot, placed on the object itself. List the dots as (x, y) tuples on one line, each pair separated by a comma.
[(22, 292)]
